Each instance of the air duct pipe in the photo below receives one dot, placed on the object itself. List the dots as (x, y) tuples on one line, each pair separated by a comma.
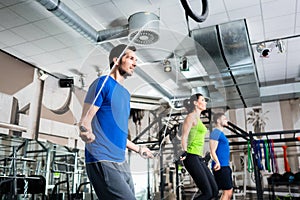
[(149, 35), (68, 16)]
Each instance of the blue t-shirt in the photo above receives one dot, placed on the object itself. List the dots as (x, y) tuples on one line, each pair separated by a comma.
[(223, 150), (110, 124)]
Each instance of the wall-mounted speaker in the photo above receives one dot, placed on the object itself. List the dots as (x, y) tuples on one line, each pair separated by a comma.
[(66, 82)]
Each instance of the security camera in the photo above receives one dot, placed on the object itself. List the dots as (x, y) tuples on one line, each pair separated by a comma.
[(265, 52), (184, 64)]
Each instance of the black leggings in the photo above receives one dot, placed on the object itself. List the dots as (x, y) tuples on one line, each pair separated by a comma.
[(202, 176)]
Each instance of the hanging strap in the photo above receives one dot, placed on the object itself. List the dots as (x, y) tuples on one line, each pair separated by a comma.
[(250, 166), (286, 162), (267, 157), (258, 154), (274, 157), (271, 154), (187, 23), (25, 187)]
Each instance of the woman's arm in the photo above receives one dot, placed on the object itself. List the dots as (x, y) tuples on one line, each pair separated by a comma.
[(186, 127)]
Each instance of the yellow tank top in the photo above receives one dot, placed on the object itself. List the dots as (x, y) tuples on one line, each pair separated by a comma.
[(196, 139)]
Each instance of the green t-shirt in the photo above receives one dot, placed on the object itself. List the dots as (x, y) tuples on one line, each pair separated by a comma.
[(196, 139)]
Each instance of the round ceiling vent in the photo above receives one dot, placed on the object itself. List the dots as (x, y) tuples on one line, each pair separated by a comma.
[(143, 28)]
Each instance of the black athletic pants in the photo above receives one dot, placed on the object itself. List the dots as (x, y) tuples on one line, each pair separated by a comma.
[(202, 176)]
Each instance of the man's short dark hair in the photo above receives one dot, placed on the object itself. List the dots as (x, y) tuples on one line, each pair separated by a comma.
[(217, 116), (118, 51)]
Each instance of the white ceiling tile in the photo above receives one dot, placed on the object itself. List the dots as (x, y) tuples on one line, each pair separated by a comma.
[(261, 75), (64, 67), (297, 30), (10, 19), (72, 38), (29, 32), (11, 2), (286, 22), (293, 69), (275, 58), (53, 26), (45, 59), (31, 10), (65, 54), (215, 7), (278, 8), (94, 63), (292, 45), (13, 52), (74, 5), (160, 4), (83, 50), (130, 7), (265, 1), (272, 75), (9, 38), (298, 7), (293, 74), (213, 20), (279, 33), (28, 49), (193, 25), (243, 13), (255, 29), (49, 44), (30, 60), (293, 59), (298, 18), (237, 4), (180, 28), (87, 3), (2, 45), (168, 17), (102, 12), (92, 20), (2, 28)]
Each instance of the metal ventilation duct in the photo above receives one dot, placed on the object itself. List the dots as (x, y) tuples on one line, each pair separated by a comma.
[(229, 47), (142, 27)]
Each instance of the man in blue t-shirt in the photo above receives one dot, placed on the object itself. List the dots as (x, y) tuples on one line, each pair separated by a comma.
[(104, 129), (220, 152)]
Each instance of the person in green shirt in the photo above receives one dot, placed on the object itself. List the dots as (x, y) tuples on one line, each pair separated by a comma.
[(192, 142)]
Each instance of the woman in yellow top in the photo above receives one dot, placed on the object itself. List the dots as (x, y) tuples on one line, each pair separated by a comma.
[(192, 142)]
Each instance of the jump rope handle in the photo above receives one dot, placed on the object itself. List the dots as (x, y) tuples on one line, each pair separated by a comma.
[(144, 154), (83, 129)]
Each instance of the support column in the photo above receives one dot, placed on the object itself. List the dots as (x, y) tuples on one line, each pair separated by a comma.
[(35, 107), (287, 110)]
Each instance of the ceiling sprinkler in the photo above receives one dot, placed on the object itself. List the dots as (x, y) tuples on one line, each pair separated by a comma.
[(280, 46)]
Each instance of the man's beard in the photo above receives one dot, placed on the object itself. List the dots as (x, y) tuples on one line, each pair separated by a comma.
[(123, 72)]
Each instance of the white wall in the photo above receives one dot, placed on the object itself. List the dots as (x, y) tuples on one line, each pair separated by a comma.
[(5, 110)]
